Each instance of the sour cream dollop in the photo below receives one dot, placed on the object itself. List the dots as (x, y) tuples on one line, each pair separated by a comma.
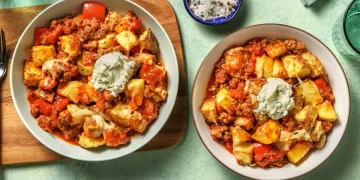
[(111, 72)]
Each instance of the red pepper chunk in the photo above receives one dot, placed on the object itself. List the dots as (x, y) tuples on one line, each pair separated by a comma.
[(261, 149), (38, 33), (45, 107), (320, 83), (94, 10)]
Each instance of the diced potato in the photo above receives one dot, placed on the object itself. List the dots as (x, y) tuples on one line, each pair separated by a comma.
[(87, 142), (32, 74), (123, 24), (279, 70), (127, 40), (71, 45), (78, 114), (239, 135), (253, 86), (298, 151), (85, 70), (268, 133), (275, 49), (295, 66), (149, 42), (326, 111), (94, 126), (308, 113), (317, 131), (43, 53), (44, 94), (235, 58), (112, 19), (107, 42), (311, 93), (224, 100), (259, 67), (72, 90), (244, 121), (284, 142), (209, 111), (244, 152), (125, 116), (315, 65), (268, 67), (135, 90)]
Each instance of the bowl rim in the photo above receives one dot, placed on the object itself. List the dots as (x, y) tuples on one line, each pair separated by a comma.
[(156, 131), (227, 18), (265, 24)]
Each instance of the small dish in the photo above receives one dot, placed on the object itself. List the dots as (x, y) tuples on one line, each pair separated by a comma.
[(216, 21)]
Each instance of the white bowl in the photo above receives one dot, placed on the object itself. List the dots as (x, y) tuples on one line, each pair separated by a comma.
[(18, 89), (337, 80)]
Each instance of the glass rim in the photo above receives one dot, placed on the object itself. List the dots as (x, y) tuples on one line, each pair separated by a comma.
[(344, 26)]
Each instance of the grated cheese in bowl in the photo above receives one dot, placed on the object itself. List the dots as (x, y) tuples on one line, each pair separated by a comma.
[(212, 9)]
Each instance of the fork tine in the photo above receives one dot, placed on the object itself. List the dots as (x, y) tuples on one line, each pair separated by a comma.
[(3, 47)]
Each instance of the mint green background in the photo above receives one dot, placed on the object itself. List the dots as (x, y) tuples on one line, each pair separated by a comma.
[(190, 159)]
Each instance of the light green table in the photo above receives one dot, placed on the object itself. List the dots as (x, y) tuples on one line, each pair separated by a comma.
[(190, 159)]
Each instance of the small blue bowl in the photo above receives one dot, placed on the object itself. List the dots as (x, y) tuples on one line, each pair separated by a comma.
[(216, 21)]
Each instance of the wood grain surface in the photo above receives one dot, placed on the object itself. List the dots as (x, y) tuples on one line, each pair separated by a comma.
[(17, 143)]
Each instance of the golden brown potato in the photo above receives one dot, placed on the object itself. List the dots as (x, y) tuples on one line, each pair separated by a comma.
[(72, 90), (298, 151), (149, 42), (208, 109), (87, 142), (107, 42), (43, 53), (275, 49), (268, 67), (78, 114), (123, 25), (268, 133), (125, 116), (244, 152), (295, 66), (71, 45), (253, 86), (112, 19), (243, 122), (127, 40), (317, 131), (32, 74), (310, 92), (279, 70), (44, 94), (326, 111), (224, 100), (85, 70), (315, 65), (239, 135), (135, 90), (284, 142), (259, 66), (307, 113)]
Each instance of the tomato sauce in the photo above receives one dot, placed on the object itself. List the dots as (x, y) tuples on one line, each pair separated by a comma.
[(228, 145), (61, 136)]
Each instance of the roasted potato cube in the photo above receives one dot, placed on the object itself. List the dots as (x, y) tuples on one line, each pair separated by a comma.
[(259, 66), (72, 90), (295, 66), (135, 90), (124, 25), (71, 45), (87, 142), (78, 114), (235, 58), (279, 70), (275, 49), (246, 122), (243, 152), (224, 100), (268, 133), (107, 42), (253, 86), (308, 113), (127, 40), (43, 53), (284, 143), (149, 42), (314, 64), (298, 151), (125, 116), (208, 109), (317, 131), (311, 93), (32, 74), (112, 19), (268, 67), (94, 126), (44, 94), (85, 70), (239, 135), (326, 111)]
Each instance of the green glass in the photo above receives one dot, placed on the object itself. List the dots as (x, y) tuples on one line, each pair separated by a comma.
[(346, 32)]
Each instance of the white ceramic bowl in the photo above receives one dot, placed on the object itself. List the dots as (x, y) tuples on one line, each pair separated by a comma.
[(18, 89), (337, 80)]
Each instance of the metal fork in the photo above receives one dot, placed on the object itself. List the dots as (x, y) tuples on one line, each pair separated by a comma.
[(3, 56)]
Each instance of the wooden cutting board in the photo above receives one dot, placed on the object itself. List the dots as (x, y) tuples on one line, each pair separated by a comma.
[(17, 143)]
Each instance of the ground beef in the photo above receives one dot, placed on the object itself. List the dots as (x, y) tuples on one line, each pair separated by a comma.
[(294, 46), (274, 158), (35, 110), (226, 118), (244, 110), (46, 123), (234, 82), (221, 76), (220, 132), (72, 132), (288, 124)]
